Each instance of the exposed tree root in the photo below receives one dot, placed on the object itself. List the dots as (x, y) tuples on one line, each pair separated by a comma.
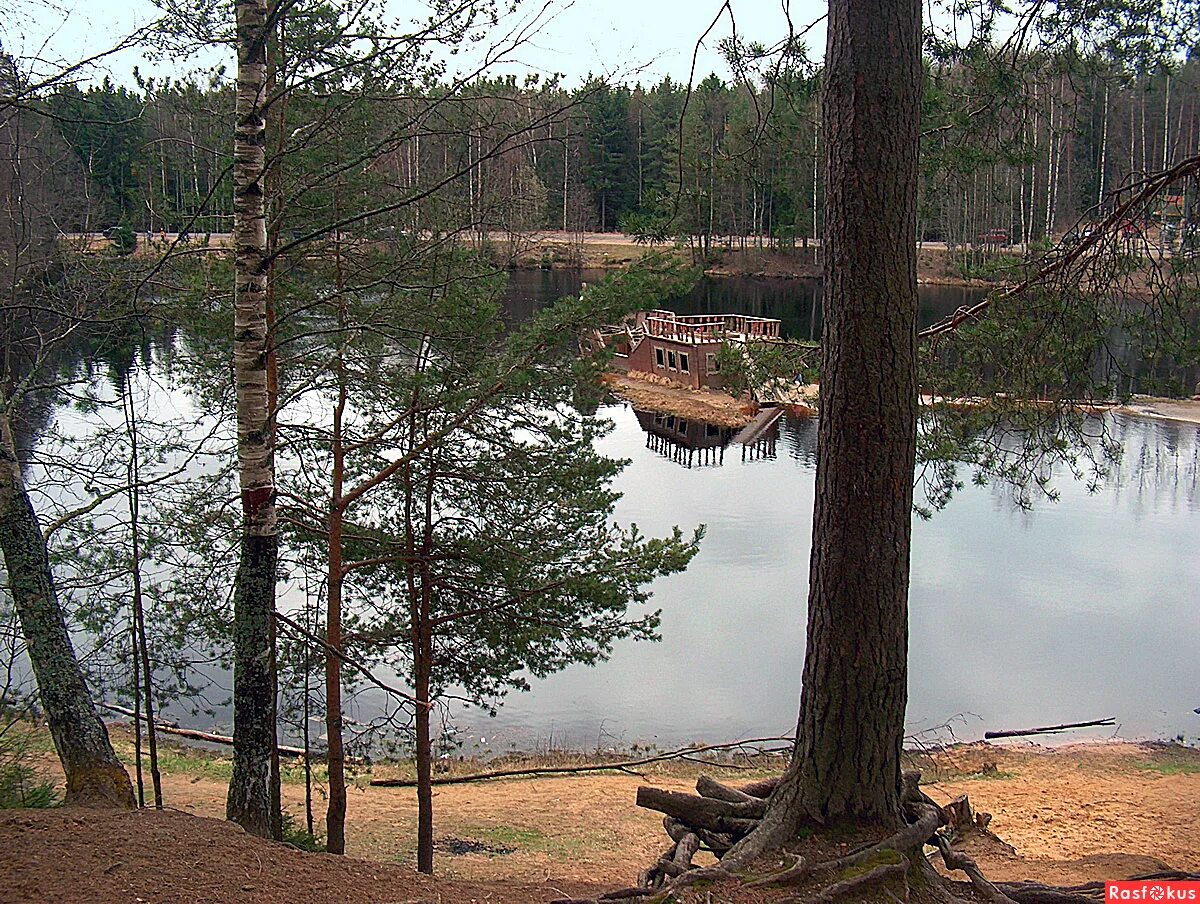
[(957, 860), (733, 823), (855, 883), (798, 872)]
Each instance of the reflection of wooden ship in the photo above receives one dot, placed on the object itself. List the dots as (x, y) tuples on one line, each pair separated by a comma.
[(695, 444)]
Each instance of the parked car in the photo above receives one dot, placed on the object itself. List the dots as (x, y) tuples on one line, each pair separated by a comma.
[(1078, 233), (122, 237)]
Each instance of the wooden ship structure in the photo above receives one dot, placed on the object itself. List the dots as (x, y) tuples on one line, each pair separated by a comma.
[(683, 348)]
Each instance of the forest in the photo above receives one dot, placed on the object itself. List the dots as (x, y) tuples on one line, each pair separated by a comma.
[(1009, 156)]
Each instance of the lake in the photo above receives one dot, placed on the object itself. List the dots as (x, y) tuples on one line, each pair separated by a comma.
[(1078, 609), (1074, 610)]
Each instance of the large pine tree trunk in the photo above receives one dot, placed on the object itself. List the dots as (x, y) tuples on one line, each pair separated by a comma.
[(253, 800), (846, 763), (94, 775)]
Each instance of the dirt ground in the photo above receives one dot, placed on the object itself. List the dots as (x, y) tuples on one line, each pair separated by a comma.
[(651, 393), (72, 856), (1071, 814), (1185, 410)]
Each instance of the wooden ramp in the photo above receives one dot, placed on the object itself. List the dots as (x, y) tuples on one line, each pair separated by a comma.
[(763, 421)]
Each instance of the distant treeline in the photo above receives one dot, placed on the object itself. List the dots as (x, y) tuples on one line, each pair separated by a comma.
[(1012, 153)]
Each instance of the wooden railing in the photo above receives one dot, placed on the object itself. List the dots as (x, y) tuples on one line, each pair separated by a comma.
[(693, 328)]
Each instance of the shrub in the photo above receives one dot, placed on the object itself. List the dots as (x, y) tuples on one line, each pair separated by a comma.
[(20, 784)]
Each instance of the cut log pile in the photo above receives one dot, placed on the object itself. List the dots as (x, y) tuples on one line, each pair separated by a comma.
[(714, 820)]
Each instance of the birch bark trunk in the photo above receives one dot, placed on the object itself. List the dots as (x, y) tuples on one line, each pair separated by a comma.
[(253, 800)]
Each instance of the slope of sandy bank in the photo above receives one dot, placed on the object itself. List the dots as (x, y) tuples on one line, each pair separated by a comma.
[(1071, 814), (1183, 410)]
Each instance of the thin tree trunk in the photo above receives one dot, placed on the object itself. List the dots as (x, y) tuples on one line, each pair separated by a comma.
[(422, 684), (1103, 149), (1050, 167), (308, 798), (335, 814), (846, 762), (418, 632), (566, 168), (1166, 148), (253, 800), (141, 647), (424, 757), (817, 232), (94, 775), (139, 779), (1145, 154)]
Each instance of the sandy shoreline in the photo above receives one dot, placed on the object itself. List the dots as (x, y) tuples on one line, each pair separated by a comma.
[(1068, 814), (649, 393), (1185, 411)]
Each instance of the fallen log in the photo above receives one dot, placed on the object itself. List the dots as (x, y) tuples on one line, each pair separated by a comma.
[(704, 812), (716, 842), (172, 728), (1049, 729), (685, 850), (618, 766), (764, 787), (711, 788)]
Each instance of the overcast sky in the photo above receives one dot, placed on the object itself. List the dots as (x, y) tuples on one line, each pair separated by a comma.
[(632, 40)]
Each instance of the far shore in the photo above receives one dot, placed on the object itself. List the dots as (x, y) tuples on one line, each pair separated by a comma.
[(647, 392), (728, 257)]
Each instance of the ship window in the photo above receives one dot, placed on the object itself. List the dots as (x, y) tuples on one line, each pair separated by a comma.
[(659, 360), (683, 362), (671, 362)]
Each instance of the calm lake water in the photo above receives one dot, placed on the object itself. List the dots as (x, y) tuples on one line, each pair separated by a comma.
[(1078, 609), (1082, 608)]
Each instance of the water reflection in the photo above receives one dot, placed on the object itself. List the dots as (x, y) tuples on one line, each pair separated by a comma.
[(1159, 466), (794, 302), (695, 444), (1074, 609)]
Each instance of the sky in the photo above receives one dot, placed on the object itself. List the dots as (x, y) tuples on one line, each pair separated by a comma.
[(629, 40)]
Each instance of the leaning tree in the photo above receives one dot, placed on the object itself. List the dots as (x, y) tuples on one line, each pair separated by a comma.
[(41, 308)]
